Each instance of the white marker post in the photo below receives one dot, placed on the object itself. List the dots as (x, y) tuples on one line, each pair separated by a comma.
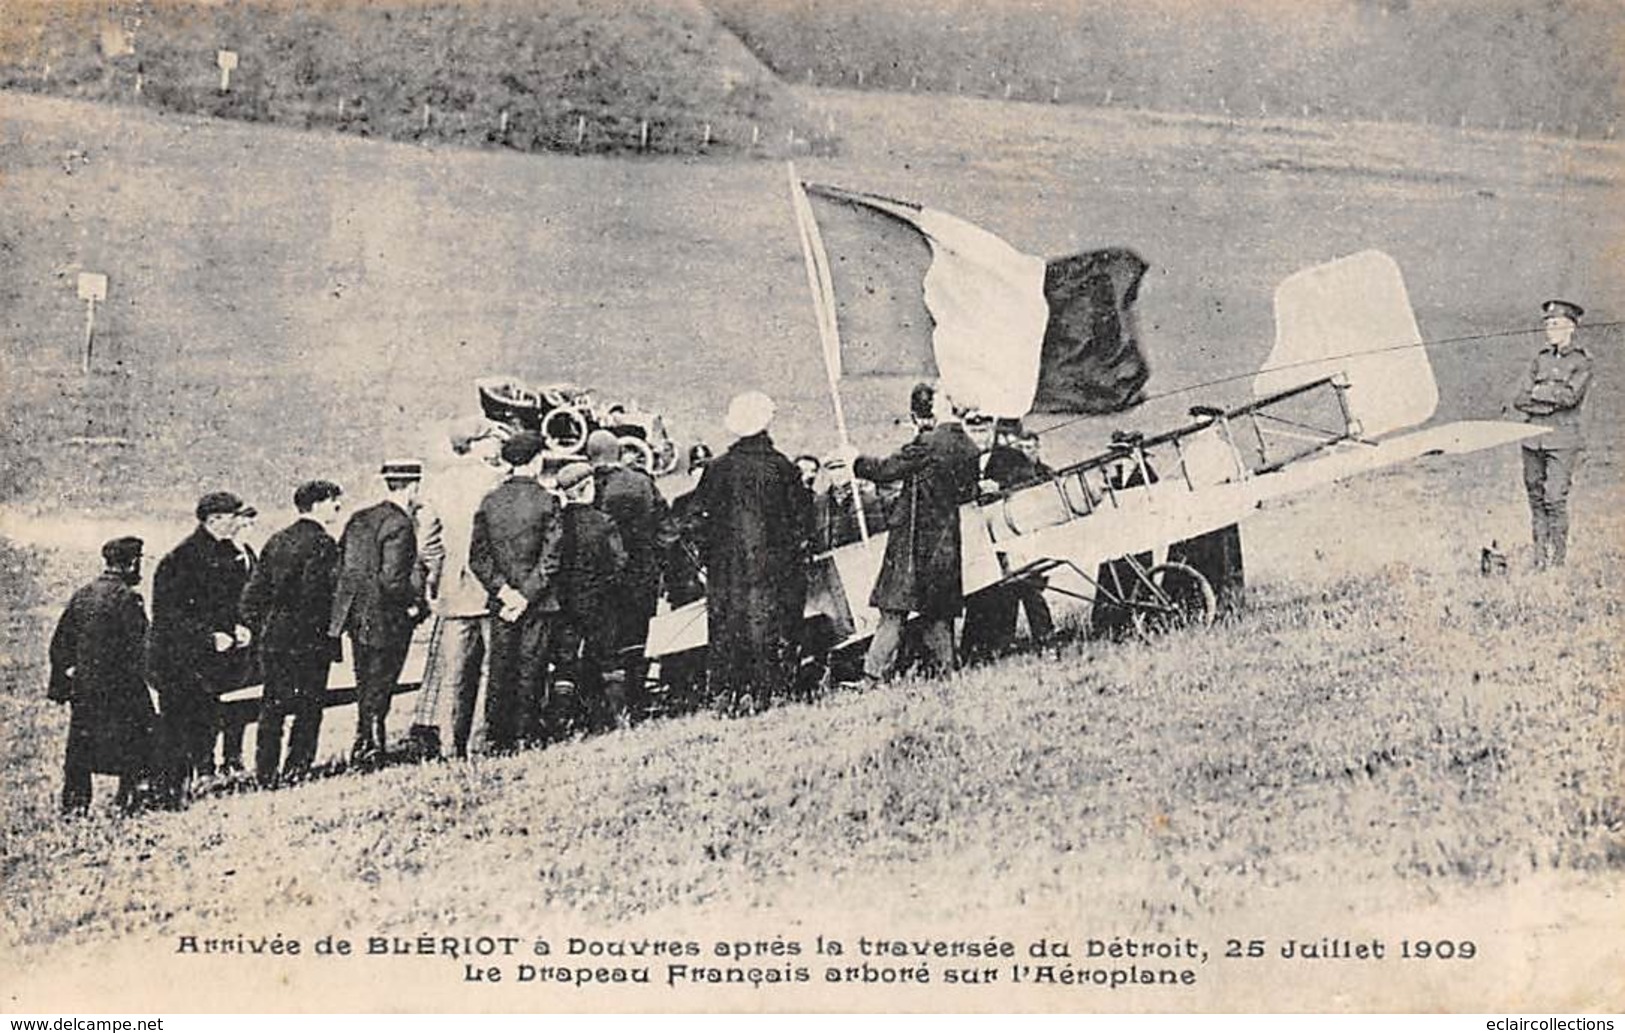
[(92, 288), (226, 60)]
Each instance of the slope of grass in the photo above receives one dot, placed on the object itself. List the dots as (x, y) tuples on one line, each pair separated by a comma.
[(1554, 66), (1402, 729), (581, 75)]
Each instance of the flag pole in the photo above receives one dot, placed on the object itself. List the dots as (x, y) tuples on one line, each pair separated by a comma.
[(823, 295)]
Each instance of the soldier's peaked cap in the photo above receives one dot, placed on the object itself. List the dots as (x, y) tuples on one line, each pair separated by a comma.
[(1566, 309), (119, 552)]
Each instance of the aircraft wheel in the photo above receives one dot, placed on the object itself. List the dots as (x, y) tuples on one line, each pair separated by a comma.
[(564, 429), (1168, 596)]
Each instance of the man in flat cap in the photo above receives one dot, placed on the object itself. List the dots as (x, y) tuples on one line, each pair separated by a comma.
[(1550, 395), (379, 600), (757, 532), (629, 497), (922, 569), (287, 603), (96, 668), (514, 552), (197, 639)]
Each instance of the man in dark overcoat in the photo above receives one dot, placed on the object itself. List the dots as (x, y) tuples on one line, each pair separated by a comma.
[(757, 518), (921, 571), (629, 498), (514, 553), (196, 640), (683, 581), (378, 601), (96, 668), (990, 615), (591, 563), (286, 604)]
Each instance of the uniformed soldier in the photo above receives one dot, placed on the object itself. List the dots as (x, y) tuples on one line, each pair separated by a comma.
[(1552, 391)]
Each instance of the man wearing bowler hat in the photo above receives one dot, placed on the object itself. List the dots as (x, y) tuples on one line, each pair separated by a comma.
[(1550, 395), (378, 601)]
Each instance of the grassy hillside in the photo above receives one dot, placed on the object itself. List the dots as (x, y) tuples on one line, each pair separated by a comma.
[(347, 292), (1554, 67), (581, 75), (1400, 736)]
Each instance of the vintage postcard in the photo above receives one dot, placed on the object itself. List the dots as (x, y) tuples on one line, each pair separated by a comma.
[(742, 506)]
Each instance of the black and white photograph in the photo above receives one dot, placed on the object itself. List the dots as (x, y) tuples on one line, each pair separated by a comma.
[(811, 506)]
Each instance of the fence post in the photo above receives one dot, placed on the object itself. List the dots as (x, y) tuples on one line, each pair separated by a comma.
[(643, 135), (581, 130)]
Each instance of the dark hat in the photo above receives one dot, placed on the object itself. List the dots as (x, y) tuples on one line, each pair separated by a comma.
[(308, 494), (573, 475), (402, 469), (217, 502), (699, 455), (921, 401), (1567, 309), (818, 464), (523, 447), (248, 513), (121, 552)]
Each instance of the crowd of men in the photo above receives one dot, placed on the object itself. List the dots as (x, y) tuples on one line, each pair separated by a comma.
[(540, 585), (541, 588)]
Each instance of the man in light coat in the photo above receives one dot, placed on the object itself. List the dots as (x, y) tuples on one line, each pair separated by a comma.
[(458, 601)]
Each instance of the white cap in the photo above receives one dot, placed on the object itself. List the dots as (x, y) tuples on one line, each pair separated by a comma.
[(749, 413)]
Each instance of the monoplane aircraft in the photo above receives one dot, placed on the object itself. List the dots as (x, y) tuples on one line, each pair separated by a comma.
[(1347, 390)]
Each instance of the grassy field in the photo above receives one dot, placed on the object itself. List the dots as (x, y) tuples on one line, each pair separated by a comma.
[(1499, 63), (1386, 744), (1368, 747), (569, 75)]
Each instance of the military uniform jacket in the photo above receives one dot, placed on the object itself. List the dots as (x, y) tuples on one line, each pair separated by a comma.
[(516, 542), (288, 601), (195, 590), (380, 580), (922, 568), (100, 639), (1553, 389)]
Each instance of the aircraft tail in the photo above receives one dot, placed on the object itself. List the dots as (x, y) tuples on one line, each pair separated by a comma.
[(1352, 316)]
